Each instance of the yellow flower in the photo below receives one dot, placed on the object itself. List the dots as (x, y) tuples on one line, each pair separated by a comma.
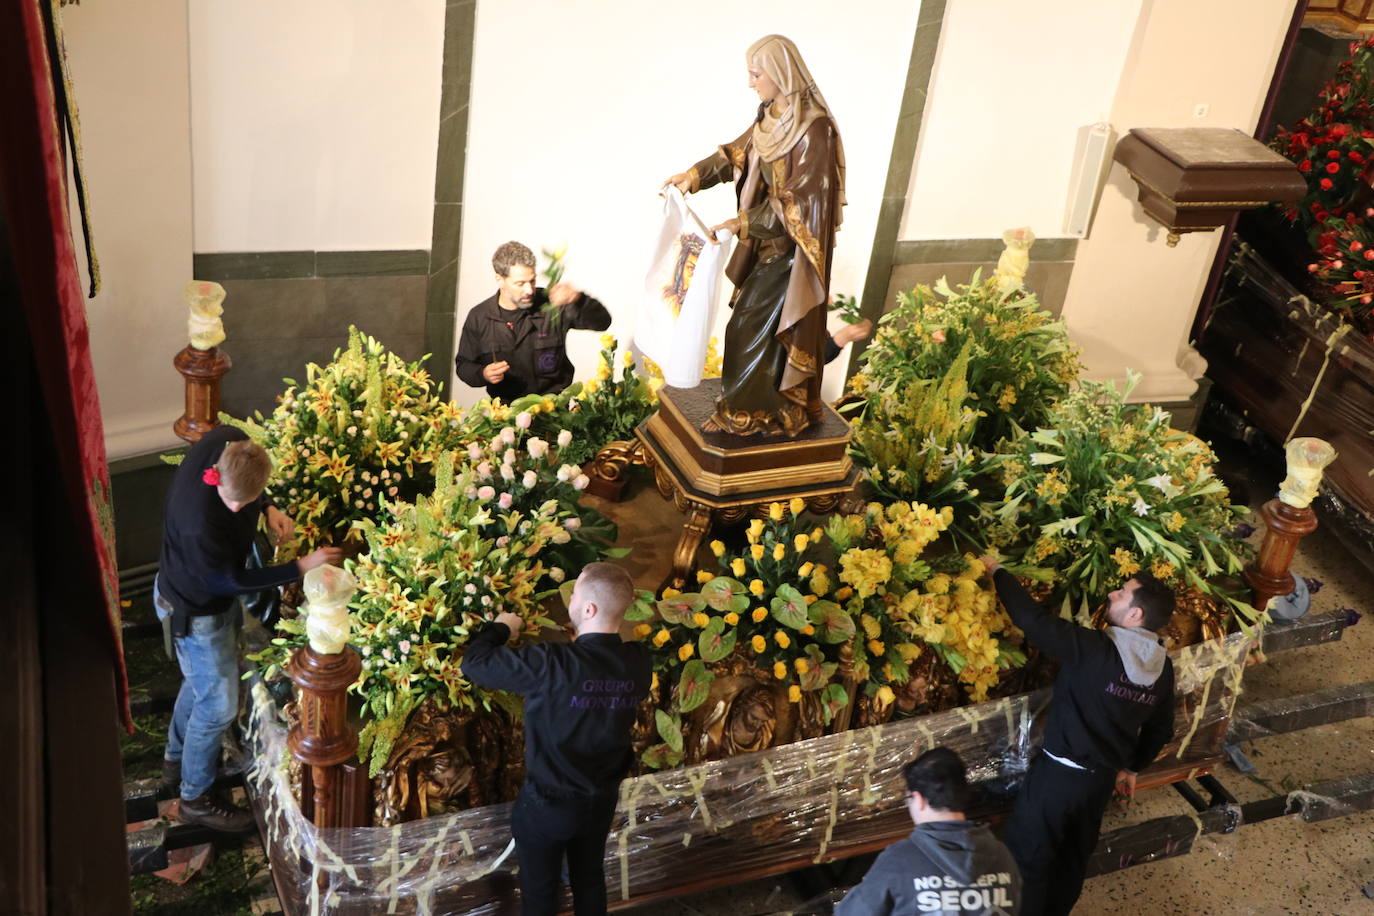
[(701, 619), (794, 694), (685, 651), (760, 614), (759, 643), (1126, 563), (603, 374), (671, 593), (732, 618), (876, 647), (810, 599), (737, 566), (607, 341), (908, 651), (842, 594), (806, 569), (755, 527), (816, 534), (775, 511), (797, 505), (872, 628), (780, 670), (703, 576), (808, 629), (756, 586), (590, 386), (884, 697), (643, 630), (661, 637), (779, 551), (782, 639), (820, 582), (627, 358), (718, 548), (756, 551), (799, 543), (802, 665)]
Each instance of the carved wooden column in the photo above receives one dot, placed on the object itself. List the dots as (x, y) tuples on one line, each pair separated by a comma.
[(322, 739), (1288, 519), (202, 370)]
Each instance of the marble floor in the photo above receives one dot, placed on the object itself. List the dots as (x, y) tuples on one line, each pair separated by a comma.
[(1274, 867)]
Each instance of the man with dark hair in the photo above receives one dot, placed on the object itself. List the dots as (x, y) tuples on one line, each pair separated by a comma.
[(510, 343), (213, 508), (581, 700), (948, 864), (1112, 713)]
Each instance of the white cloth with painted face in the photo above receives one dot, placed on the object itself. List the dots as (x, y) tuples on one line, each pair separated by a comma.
[(680, 292)]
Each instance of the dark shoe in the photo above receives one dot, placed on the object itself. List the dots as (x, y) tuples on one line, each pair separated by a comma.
[(216, 814), (171, 774)]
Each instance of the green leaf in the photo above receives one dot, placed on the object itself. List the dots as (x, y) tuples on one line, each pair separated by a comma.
[(680, 608), (714, 643), (789, 607), (661, 756), (642, 608), (725, 594), (833, 699), (693, 685), (616, 553), (669, 729), (565, 591), (832, 624)]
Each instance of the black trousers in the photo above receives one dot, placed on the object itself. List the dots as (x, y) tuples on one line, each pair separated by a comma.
[(547, 831), (1053, 831)]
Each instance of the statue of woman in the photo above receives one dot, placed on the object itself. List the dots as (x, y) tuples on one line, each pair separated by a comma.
[(788, 169)]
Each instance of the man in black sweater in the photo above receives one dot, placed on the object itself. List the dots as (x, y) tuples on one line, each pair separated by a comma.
[(213, 508), (510, 344), (1112, 713), (949, 864), (581, 700)]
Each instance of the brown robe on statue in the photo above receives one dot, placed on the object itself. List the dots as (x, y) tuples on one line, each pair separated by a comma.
[(789, 209)]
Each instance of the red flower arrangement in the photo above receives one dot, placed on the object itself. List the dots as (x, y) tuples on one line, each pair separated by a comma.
[(1344, 266), (211, 476), (1333, 145)]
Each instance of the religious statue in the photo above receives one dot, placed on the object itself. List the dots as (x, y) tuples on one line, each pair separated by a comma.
[(1015, 259), (205, 299), (788, 169)]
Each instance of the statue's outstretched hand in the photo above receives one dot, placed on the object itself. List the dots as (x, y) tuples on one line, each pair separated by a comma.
[(682, 181)]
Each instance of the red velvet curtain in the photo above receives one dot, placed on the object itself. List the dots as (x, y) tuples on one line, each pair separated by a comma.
[(33, 186)]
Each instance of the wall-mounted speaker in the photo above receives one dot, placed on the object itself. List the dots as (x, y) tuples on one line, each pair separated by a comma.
[(1091, 159)]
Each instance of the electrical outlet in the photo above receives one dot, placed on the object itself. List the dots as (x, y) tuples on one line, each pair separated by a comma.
[(1200, 110)]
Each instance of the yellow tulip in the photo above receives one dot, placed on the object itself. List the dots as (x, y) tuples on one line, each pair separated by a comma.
[(779, 551), (628, 358), (671, 593), (794, 694), (780, 670), (798, 505), (760, 614), (755, 527), (756, 586), (661, 637), (732, 618), (759, 643), (643, 630), (756, 551), (799, 543), (607, 341), (700, 619), (685, 651), (782, 639), (718, 548), (806, 569), (737, 566), (802, 665), (816, 534), (703, 576), (775, 511)]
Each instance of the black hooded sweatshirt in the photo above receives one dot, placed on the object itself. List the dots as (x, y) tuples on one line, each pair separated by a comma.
[(942, 867)]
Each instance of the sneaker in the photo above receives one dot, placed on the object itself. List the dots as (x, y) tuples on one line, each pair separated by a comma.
[(216, 814)]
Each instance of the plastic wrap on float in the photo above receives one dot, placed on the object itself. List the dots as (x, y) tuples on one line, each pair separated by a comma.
[(715, 823)]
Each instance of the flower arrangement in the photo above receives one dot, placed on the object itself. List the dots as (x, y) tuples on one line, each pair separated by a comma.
[(791, 616), (1332, 145), (553, 275), (904, 603), (1107, 489), (363, 429), (1020, 360), (1344, 265), (712, 367)]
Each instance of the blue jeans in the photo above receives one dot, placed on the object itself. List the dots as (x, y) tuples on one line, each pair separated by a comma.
[(209, 697)]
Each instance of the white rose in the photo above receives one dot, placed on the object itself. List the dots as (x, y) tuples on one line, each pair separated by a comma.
[(564, 437), (523, 419), (580, 482), (572, 524), (557, 574), (529, 480), (538, 448), (507, 472)]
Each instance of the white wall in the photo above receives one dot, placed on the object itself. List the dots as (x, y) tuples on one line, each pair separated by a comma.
[(579, 113), (314, 123), (1013, 83), (129, 71)]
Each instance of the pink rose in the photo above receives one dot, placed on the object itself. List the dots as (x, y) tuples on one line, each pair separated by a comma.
[(572, 524), (580, 482), (508, 435), (523, 419), (486, 493), (484, 470), (505, 500)]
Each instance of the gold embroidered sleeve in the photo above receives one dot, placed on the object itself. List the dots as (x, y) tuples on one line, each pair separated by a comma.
[(711, 171)]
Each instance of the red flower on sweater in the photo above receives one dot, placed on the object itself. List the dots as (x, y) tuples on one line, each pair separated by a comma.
[(211, 476)]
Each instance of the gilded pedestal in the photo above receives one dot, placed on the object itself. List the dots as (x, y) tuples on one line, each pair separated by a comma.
[(720, 478)]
